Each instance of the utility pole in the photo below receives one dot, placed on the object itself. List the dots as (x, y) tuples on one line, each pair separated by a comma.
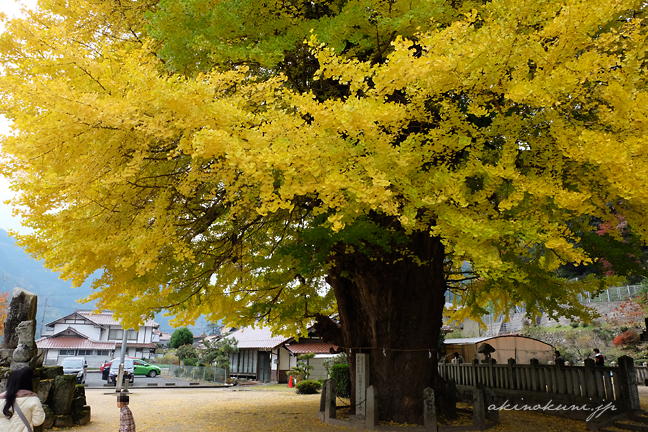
[(43, 320)]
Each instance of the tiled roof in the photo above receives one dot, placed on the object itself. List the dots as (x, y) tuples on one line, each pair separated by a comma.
[(316, 347), (70, 331), (67, 342), (249, 337), (138, 344), (106, 318)]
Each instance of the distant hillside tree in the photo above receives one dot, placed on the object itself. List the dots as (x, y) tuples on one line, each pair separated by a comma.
[(181, 336), (4, 307), (214, 328)]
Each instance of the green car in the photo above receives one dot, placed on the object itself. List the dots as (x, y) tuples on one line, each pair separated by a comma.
[(143, 368)]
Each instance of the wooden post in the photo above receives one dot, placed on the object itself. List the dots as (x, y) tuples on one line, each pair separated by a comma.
[(491, 373), (590, 380), (451, 394), (511, 374), (371, 412), (616, 383), (569, 384), (628, 378), (473, 382), (600, 385), (429, 410), (582, 382), (575, 381), (542, 382), (533, 370), (609, 390), (560, 379)]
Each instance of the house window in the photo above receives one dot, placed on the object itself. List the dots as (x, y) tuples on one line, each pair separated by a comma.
[(132, 335), (69, 352), (103, 352), (85, 352), (115, 334)]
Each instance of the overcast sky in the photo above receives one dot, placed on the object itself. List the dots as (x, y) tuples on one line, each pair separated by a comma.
[(11, 9)]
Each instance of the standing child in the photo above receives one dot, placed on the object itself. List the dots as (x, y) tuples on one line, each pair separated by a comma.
[(126, 421)]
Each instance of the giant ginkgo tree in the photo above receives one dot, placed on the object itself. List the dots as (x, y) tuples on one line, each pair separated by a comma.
[(286, 162)]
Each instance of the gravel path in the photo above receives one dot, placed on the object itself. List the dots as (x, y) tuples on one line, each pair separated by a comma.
[(258, 408)]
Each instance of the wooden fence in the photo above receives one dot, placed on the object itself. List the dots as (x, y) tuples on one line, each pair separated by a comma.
[(602, 383)]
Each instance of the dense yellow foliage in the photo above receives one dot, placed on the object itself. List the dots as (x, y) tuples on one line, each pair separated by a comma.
[(500, 133)]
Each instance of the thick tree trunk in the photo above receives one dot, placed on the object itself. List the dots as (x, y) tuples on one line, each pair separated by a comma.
[(392, 309)]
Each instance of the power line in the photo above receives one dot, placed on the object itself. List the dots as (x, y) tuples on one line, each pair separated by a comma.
[(43, 319)]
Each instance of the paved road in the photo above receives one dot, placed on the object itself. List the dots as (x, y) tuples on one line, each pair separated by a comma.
[(94, 380)]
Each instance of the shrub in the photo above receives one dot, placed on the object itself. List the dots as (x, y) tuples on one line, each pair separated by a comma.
[(308, 387), (573, 324), (342, 376), (627, 338), (169, 359), (186, 351), (338, 359), (190, 361)]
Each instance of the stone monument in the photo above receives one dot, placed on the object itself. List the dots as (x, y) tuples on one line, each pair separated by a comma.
[(64, 402)]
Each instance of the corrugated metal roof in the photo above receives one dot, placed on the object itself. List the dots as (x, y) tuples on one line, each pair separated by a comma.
[(66, 342), (249, 337), (469, 341), (311, 347)]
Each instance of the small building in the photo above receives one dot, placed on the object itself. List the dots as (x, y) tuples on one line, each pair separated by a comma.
[(292, 349), (520, 348), (264, 357), (258, 357), (165, 339), (95, 337)]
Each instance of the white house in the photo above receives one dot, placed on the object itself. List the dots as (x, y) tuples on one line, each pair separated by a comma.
[(97, 337)]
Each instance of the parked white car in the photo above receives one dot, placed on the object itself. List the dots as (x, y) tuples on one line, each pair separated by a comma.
[(75, 366)]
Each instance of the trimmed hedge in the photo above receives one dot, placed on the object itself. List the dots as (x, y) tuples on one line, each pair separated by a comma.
[(342, 376), (308, 387)]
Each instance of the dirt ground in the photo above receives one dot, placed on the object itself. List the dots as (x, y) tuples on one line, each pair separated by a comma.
[(260, 408)]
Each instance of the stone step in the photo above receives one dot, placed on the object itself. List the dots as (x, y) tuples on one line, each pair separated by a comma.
[(629, 425), (640, 418)]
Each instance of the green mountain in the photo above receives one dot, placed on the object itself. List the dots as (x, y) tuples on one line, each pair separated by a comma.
[(56, 297)]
